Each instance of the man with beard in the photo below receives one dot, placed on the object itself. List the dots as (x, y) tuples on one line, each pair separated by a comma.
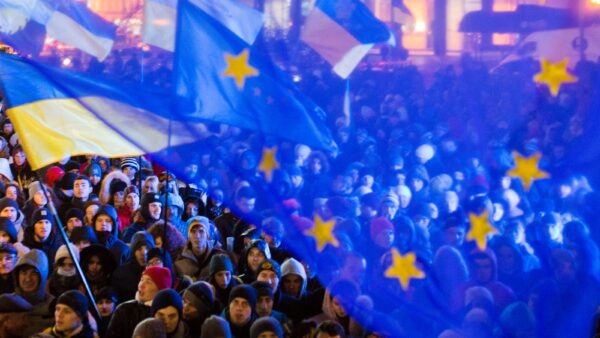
[(129, 314), (198, 251), (106, 228)]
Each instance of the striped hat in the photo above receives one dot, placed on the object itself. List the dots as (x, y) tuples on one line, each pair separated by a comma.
[(130, 162)]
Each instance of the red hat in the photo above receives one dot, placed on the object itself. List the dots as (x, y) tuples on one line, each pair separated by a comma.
[(160, 276), (53, 174), (378, 225)]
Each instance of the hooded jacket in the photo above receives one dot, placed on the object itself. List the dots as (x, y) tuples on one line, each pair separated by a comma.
[(118, 248), (40, 316), (49, 246), (125, 279), (147, 221)]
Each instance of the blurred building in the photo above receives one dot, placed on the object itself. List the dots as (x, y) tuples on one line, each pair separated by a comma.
[(115, 10)]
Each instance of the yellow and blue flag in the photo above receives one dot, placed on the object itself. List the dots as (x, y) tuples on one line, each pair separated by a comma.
[(25, 24), (221, 78), (58, 113)]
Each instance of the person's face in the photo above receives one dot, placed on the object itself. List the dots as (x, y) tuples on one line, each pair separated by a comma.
[(104, 223), (268, 334), (190, 312), (385, 238), (72, 223), (222, 278), (292, 285), (141, 255), (451, 201), (255, 257), (367, 181), (119, 198), (270, 278), (7, 262), (199, 237), (389, 210), (106, 307), (483, 270), (354, 269), (155, 208), (82, 244), (11, 192), (82, 189), (150, 187), (39, 198), (169, 316), (338, 308), (454, 236), (421, 221), (42, 229), (155, 261), (19, 158), (239, 311), (264, 306), (245, 205), (8, 128), (66, 320), (9, 212), (95, 179), (191, 209), (4, 237), (147, 289), (296, 180), (158, 242), (94, 267), (90, 211), (507, 259), (416, 184), (29, 279), (130, 172), (315, 166)]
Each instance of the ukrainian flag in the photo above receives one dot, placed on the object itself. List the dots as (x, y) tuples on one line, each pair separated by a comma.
[(58, 113)]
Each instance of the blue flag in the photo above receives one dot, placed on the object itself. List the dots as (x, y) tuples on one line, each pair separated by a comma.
[(221, 78)]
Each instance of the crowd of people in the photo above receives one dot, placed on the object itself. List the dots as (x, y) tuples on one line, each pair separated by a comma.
[(210, 253)]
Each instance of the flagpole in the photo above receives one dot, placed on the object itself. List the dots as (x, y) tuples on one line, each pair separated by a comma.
[(66, 241)]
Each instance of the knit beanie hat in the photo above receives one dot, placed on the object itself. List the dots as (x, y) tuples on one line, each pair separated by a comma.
[(215, 327), (378, 225), (84, 233), (41, 214), (71, 166), (8, 226), (160, 276), (150, 328), (116, 186), (263, 289), (10, 302), (220, 262), (8, 202), (73, 213), (130, 162), (8, 248), (67, 181), (266, 324), (94, 169), (269, 264), (246, 292), (77, 301), (63, 252), (165, 298), (200, 295), (34, 187), (53, 175), (392, 198), (107, 292)]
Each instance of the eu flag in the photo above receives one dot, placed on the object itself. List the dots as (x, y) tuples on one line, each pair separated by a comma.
[(221, 78)]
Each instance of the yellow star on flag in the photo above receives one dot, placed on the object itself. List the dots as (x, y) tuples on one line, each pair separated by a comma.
[(322, 232), (480, 229), (239, 68), (526, 168), (403, 268), (268, 163), (554, 75)]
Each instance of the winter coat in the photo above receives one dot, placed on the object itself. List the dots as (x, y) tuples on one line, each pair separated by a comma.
[(192, 266), (127, 276), (86, 332), (49, 246), (126, 318), (118, 248)]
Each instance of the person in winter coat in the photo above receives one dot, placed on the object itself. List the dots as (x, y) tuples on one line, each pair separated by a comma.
[(198, 251), (98, 265), (222, 279), (13, 315), (40, 234), (151, 208), (150, 328), (30, 276), (167, 306), (173, 242), (106, 228), (128, 315), (71, 317), (9, 235), (125, 276), (37, 199), (106, 302), (266, 327), (132, 203), (64, 276), (198, 305), (264, 306), (73, 219), (256, 252), (240, 312), (10, 209), (8, 258)]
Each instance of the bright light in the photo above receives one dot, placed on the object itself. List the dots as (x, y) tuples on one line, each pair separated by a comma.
[(595, 2), (66, 62), (420, 26)]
